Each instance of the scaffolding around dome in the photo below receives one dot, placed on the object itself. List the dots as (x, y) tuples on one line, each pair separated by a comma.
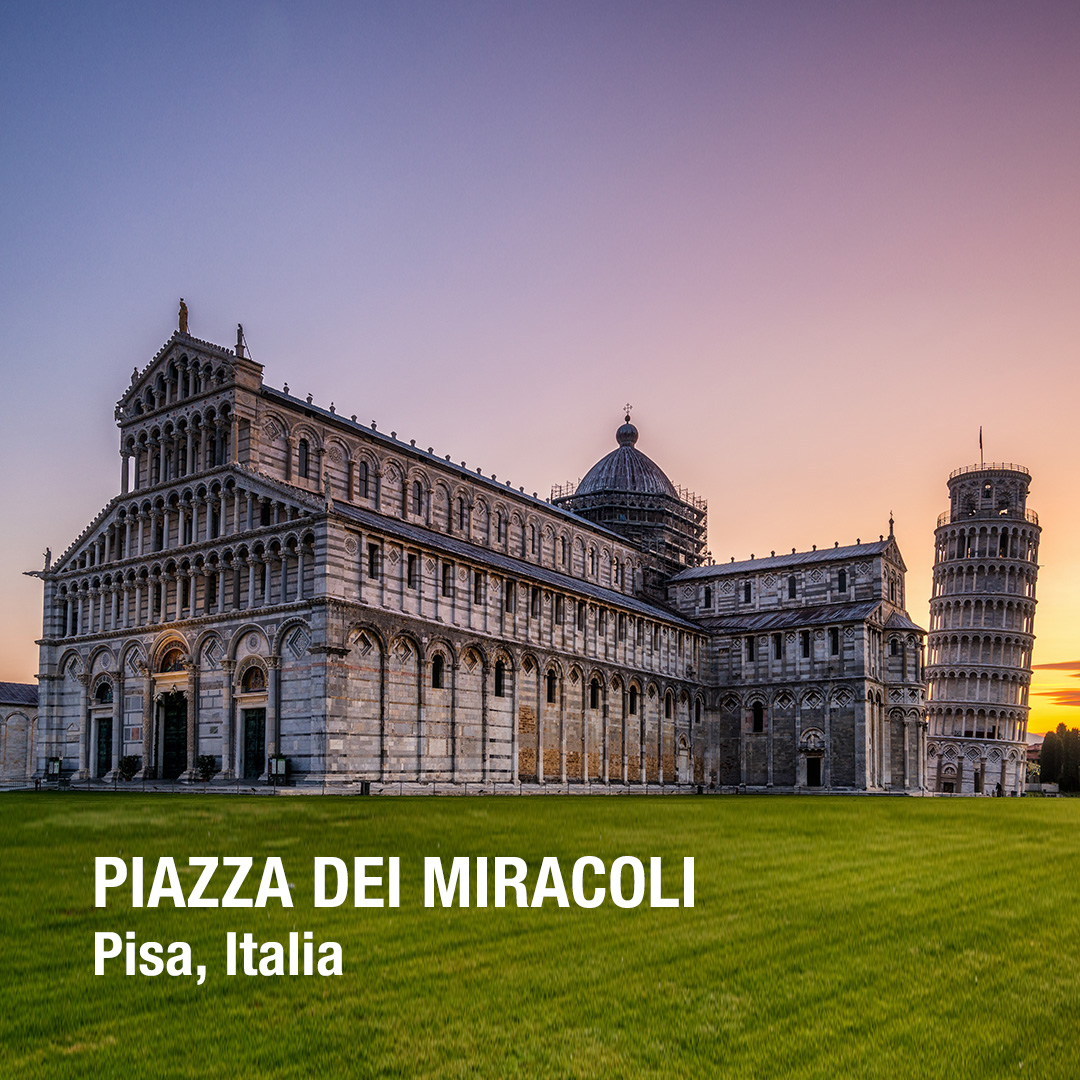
[(628, 493)]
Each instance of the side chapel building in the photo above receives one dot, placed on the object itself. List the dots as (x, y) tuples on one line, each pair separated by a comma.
[(276, 585)]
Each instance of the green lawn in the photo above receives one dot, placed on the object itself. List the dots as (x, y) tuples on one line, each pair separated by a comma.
[(831, 936)]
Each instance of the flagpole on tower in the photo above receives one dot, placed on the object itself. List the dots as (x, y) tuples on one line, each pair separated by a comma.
[(981, 462)]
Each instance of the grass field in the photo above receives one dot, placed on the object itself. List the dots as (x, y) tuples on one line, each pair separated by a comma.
[(830, 937)]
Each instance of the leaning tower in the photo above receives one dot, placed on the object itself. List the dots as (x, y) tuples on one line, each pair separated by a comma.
[(982, 620)]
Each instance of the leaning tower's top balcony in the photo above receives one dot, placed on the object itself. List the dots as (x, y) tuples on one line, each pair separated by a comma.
[(990, 466), (987, 492), (950, 517)]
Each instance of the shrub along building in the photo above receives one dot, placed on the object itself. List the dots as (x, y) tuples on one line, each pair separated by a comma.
[(275, 584)]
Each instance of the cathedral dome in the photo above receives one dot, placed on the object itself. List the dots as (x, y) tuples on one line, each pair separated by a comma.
[(627, 469)]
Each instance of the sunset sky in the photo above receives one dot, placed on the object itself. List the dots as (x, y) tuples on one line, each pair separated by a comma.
[(816, 245)]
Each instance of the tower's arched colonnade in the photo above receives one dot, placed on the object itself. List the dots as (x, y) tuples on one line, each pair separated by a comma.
[(982, 623)]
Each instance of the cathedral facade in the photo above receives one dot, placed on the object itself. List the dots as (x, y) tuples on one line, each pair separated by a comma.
[(280, 592)]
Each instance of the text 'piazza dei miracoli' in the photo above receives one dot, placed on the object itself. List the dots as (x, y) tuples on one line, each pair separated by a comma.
[(279, 587)]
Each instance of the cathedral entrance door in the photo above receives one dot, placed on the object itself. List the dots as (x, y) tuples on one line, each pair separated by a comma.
[(813, 772), (254, 743), (174, 732), (104, 745)]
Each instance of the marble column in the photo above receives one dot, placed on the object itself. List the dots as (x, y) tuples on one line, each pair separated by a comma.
[(192, 709), (228, 739), (84, 726), (147, 721), (273, 722), (117, 722)]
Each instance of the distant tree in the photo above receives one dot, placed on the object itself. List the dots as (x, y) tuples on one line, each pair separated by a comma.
[(1069, 778), (1050, 758)]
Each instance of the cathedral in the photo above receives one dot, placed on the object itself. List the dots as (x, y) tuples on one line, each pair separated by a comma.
[(279, 593)]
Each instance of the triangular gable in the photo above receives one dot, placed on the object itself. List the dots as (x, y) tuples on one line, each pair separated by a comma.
[(220, 367), (255, 482), (892, 553)]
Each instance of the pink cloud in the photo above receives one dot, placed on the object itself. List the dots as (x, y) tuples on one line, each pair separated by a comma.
[(1065, 698)]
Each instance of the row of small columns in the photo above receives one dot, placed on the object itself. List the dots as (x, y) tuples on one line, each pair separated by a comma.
[(86, 614), (177, 456), (208, 517)]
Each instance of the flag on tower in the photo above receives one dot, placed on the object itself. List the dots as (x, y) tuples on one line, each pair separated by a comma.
[(980, 445)]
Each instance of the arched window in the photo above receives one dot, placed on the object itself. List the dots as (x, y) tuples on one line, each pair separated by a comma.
[(790, 587), (759, 716), (834, 641), (594, 694), (500, 528), (841, 581), (417, 498), (708, 597), (552, 684), (253, 681), (894, 647), (461, 514), (615, 571), (532, 539), (592, 561), (633, 700), (173, 660), (104, 694), (437, 663), (667, 707), (697, 711), (746, 593), (362, 480), (500, 679), (565, 551), (303, 463)]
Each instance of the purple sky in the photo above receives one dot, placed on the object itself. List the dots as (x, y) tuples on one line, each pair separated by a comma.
[(816, 245)]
